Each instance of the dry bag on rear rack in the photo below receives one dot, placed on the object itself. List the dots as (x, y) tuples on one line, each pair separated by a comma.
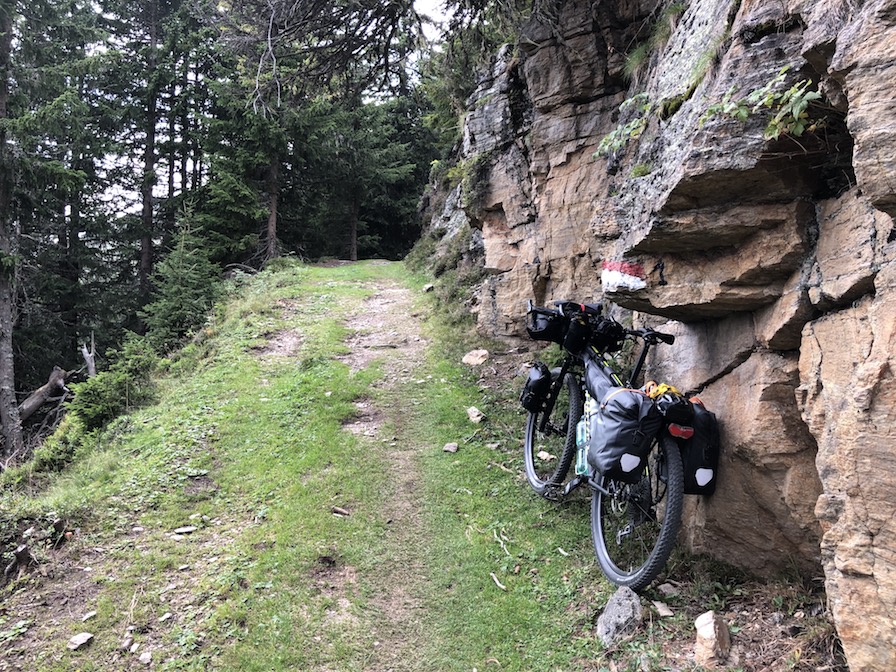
[(675, 408), (700, 453), (538, 384), (621, 434)]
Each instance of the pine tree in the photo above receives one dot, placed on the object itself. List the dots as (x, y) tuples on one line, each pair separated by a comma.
[(186, 284)]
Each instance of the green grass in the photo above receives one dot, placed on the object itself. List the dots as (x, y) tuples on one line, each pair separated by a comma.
[(490, 523)]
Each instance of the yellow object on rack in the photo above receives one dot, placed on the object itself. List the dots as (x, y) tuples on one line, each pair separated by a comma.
[(655, 390)]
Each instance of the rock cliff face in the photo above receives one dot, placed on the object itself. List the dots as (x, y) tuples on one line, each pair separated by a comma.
[(771, 258)]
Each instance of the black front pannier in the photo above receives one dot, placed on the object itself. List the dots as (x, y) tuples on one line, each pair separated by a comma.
[(700, 453), (538, 384), (545, 325), (621, 434)]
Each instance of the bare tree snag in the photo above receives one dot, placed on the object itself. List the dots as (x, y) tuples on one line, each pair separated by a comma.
[(42, 394), (89, 357)]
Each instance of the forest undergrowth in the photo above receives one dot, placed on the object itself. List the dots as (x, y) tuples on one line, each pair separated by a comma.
[(310, 492)]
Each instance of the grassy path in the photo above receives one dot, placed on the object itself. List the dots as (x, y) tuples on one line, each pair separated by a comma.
[(386, 332), (287, 504)]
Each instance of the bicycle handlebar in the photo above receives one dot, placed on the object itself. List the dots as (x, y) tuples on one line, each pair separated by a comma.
[(573, 307), (567, 309), (652, 336)]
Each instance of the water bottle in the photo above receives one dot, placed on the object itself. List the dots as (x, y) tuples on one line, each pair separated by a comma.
[(583, 436)]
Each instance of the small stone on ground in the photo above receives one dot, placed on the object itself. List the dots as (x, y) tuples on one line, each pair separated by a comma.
[(620, 618), (80, 640)]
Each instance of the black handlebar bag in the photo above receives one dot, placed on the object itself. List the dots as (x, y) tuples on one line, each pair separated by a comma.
[(621, 434), (545, 324)]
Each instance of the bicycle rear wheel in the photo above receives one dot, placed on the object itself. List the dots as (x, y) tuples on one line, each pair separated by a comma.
[(634, 526), (550, 445)]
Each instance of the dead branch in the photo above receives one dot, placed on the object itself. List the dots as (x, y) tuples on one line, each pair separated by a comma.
[(22, 560), (89, 356), (40, 396), (54, 417)]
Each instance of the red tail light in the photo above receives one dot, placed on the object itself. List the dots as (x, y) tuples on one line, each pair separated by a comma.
[(680, 431)]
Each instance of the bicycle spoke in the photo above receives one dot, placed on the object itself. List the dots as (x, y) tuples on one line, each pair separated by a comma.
[(634, 526), (550, 441)]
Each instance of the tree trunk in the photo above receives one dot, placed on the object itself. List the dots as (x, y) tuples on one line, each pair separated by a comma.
[(273, 187), (185, 124), (10, 422), (354, 215), (146, 219), (9, 410), (149, 159)]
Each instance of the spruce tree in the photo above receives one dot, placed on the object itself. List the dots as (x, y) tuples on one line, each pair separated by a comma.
[(186, 284)]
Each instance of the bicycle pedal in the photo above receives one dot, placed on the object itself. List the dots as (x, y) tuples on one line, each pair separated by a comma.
[(553, 493)]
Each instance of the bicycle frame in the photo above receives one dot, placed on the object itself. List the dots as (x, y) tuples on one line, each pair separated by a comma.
[(572, 362)]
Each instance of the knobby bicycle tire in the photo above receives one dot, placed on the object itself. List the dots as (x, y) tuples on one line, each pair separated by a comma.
[(634, 527), (549, 454)]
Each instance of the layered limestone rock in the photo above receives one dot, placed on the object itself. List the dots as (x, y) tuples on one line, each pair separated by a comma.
[(848, 399), (770, 258)]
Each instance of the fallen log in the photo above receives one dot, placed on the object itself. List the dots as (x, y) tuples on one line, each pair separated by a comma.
[(42, 394)]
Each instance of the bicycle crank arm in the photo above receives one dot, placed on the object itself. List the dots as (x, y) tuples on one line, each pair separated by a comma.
[(574, 483)]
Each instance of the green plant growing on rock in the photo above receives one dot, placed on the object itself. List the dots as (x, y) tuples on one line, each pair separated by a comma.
[(616, 139), (666, 23), (709, 57), (641, 170), (660, 33), (471, 175), (636, 60), (474, 179), (791, 107), (793, 116)]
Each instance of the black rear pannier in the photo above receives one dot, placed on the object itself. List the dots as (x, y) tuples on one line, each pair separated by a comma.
[(700, 453), (545, 325), (538, 384), (621, 434)]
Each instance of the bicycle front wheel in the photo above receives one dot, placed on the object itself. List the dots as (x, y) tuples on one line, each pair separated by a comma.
[(550, 445), (634, 526)]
